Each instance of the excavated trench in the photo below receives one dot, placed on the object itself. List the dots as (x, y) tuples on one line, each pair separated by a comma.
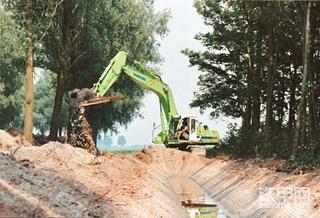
[(195, 199), (58, 180), (234, 186)]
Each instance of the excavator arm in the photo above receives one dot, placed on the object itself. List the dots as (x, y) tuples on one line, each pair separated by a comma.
[(110, 74), (153, 82), (141, 76)]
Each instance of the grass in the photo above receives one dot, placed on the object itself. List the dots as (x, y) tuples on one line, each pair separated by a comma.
[(129, 151)]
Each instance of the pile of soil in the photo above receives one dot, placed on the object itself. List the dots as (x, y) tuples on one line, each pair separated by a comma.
[(61, 180), (10, 142)]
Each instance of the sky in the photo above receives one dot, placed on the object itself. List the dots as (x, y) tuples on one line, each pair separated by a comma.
[(184, 24)]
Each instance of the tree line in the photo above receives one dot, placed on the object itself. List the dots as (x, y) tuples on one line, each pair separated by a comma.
[(261, 64), (71, 42)]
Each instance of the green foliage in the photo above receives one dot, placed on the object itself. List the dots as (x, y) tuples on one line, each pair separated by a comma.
[(105, 140), (253, 59), (44, 100), (222, 87), (124, 152), (307, 160), (11, 71), (240, 143), (122, 140), (112, 26), (97, 30)]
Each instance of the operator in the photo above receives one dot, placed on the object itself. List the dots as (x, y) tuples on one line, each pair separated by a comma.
[(184, 131)]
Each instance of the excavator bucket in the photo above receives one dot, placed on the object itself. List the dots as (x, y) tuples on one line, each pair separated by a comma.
[(101, 100), (86, 97)]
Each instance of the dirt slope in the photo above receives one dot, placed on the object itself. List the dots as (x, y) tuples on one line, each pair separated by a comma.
[(60, 180), (234, 184)]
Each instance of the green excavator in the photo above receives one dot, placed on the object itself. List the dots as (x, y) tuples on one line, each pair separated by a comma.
[(177, 131)]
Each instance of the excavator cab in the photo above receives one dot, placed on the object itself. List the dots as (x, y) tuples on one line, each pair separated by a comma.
[(194, 129), (188, 129), (186, 132)]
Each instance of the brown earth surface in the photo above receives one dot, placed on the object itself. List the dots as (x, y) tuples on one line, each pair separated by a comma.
[(58, 180)]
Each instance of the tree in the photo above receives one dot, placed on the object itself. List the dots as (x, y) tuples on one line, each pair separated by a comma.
[(31, 19), (28, 108), (253, 66), (76, 39), (64, 61), (107, 140), (122, 140), (302, 102), (232, 83), (44, 100), (138, 37), (11, 71)]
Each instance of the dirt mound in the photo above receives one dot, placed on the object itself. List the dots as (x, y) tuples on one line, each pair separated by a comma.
[(7, 139), (172, 161), (53, 154), (9, 142), (61, 180)]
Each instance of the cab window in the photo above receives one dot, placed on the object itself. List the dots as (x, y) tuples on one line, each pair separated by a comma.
[(193, 125)]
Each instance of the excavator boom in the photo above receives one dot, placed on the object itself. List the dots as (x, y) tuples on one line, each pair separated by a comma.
[(110, 74), (140, 75)]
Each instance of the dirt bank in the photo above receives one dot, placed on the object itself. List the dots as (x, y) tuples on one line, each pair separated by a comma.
[(236, 185), (60, 180)]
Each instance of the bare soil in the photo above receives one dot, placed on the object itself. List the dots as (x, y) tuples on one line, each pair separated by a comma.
[(58, 180)]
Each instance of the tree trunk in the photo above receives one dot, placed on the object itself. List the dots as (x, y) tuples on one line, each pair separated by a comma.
[(281, 102), (250, 71), (312, 98), (248, 109), (64, 63), (28, 116), (313, 110), (292, 101), (94, 134), (256, 104), (55, 120), (302, 102), (269, 112)]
